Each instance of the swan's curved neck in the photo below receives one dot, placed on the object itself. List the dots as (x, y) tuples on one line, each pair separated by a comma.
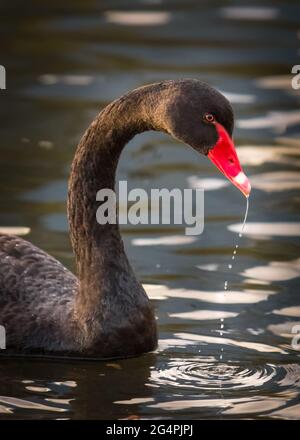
[(99, 250)]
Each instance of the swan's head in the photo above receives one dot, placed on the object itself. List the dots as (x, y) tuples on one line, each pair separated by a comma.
[(202, 117)]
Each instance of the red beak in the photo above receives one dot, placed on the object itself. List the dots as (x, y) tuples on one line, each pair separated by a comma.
[(224, 156)]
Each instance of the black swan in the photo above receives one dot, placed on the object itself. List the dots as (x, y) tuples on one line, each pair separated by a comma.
[(104, 311)]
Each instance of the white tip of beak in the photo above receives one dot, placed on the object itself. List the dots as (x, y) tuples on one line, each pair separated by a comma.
[(241, 178), (242, 182)]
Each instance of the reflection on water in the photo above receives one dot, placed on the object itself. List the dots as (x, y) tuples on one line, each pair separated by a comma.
[(63, 66), (246, 296), (275, 271), (250, 13), (279, 121), (135, 18), (272, 229)]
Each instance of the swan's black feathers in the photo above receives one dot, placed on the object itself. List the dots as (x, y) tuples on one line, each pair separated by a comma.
[(36, 296)]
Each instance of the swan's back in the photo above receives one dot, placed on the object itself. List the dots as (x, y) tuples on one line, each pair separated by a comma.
[(36, 297)]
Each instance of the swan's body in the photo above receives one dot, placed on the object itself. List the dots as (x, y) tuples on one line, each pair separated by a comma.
[(37, 303), (37, 297), (105, 312)]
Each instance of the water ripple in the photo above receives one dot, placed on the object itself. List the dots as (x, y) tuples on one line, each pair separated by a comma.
[(211, 377)]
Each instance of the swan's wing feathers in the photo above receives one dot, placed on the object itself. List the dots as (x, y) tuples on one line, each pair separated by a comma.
[(29, 273), (36, 297)]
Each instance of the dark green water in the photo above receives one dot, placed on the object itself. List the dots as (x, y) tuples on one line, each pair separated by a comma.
[(64, 63)]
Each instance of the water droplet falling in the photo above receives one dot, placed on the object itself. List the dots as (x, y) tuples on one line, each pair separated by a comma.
[(230, 267)]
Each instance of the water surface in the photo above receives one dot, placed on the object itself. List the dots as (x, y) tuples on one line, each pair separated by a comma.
[(64, 63)]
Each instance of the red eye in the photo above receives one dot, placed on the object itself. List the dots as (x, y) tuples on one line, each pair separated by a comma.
[(209, 118)]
